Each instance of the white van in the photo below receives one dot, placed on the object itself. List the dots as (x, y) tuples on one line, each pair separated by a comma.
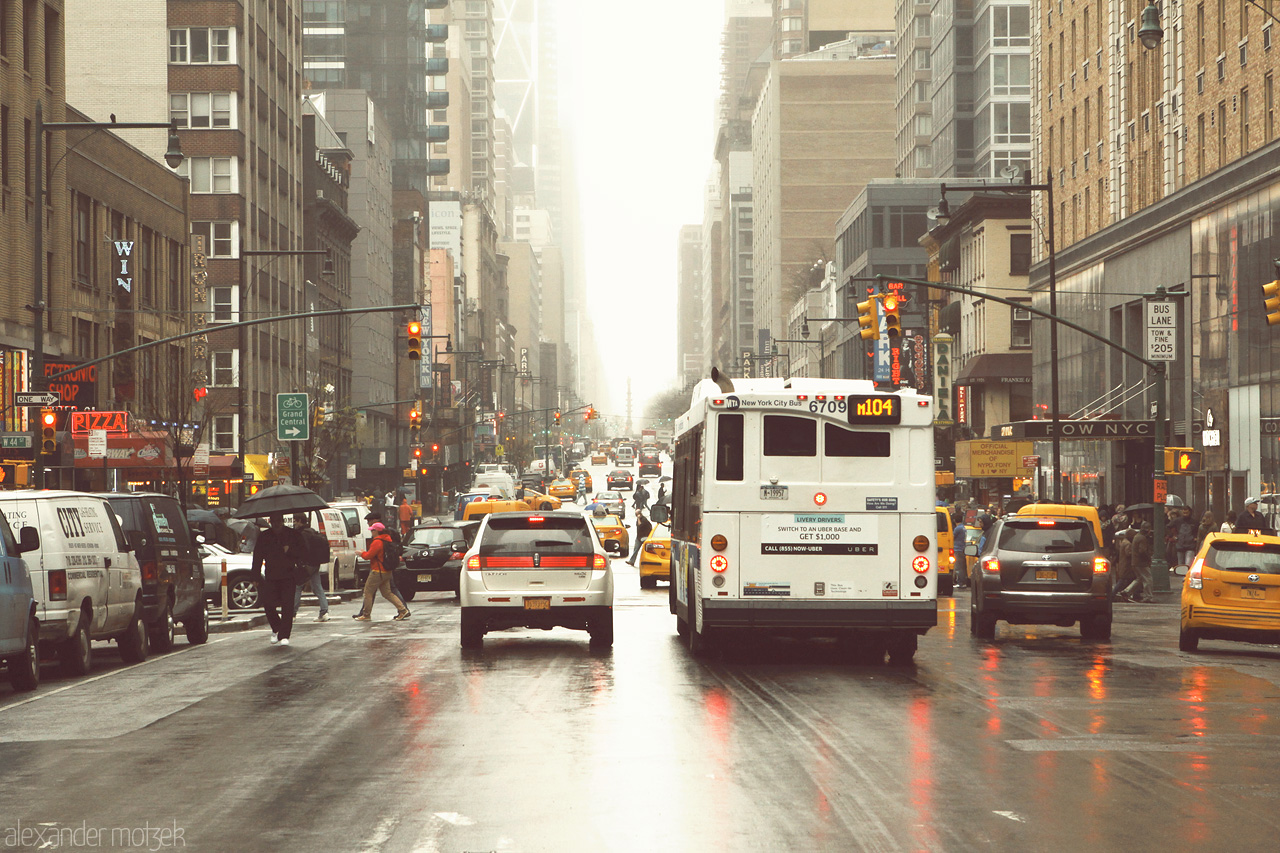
[(496, 484), (624, 456), (345, 542), (85, 580), (359, 535)]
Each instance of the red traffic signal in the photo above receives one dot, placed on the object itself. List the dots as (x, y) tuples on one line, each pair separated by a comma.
[(417, 453), (414, 335), (48, 432)]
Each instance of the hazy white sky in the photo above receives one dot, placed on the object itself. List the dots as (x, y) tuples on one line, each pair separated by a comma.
[(639, 86)]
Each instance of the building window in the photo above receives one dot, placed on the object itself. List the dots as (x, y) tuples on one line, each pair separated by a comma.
[(1019, 254), (1268, 106), (1019, 328), (144, 281), (210, 174), (4, 143), (223, 369), (220, 238), (202, 109), (1222, 133), (225, 434), (81, 227), (1010, 26), (792, 24), (222, 304), (1011, 74), (922, 59), (202, 45), (175, 259), (1244, 122), (1011, 124)]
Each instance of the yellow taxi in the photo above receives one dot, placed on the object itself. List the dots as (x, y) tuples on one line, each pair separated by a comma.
[(1232, 591), (655, 557), (562, 488), (479, 509), (539, 502), (599, 457), (573, 476), (946, 552), (612, 534), (1088, 513)]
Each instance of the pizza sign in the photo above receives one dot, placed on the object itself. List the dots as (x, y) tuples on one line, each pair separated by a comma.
[(115, 423)]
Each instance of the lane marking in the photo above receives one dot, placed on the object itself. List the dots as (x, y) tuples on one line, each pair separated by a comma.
[(1010, 816)]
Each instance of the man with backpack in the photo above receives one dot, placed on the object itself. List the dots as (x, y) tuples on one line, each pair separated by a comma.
[(383, 556), (640, 500), (315, 551)]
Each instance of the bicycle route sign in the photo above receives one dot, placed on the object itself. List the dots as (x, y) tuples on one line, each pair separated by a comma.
[(292, 417)]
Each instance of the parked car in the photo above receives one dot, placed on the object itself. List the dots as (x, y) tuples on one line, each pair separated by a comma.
[(433, 557), (536, 570), (619, 479), (19, 624), (612, 533), (655, 557), (242, 587), (172, 576), (1232, 591), (1037, 570), (84, 577)]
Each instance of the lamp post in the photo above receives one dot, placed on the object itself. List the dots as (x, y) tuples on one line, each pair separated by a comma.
[(172, 157), (944, 216), (1150, 33)]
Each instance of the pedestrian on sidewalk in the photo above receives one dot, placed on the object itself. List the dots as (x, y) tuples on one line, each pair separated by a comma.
[(277, 556), (1124, 563), (1140, 589), (315, 549), (1251, 519), (1229, 524), (379, 575), (643, 529), (1208, 524), (406, 518)]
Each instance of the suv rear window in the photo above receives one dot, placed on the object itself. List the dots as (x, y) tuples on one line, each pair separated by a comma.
[(1060, 537), (520, 534), (1243, 557), (433, 536)]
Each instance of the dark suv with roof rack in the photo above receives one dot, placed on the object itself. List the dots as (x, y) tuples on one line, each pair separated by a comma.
[(1041, 570)]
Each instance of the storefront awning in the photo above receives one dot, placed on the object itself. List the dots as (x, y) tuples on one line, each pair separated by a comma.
[(1000, 368)]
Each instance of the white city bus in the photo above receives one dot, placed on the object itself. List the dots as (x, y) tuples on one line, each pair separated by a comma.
[(805, 507)]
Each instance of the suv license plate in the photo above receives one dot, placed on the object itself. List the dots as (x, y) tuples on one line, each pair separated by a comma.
[(773, 493), (1046, 574), (424, 576), (1254, 592), (537, 603)]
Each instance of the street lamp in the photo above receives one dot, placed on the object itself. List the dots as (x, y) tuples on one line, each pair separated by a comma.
[(172, 157), (1150, 33), (943, 216)]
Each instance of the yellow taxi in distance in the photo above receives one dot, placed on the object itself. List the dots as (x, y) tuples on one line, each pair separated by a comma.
[(562, 488), (612, 534), (655, 557), (599, 457), (540, 502), (946, 552), (1232, 591), (479, 509), (573, 477), (1088, 513)]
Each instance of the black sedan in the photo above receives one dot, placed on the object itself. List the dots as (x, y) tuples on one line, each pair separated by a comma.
[(433, 557), (619, 479)]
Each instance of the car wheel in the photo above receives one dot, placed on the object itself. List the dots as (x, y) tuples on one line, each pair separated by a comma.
[(472, 630), (134, 642), (1096, 628), (24, 669), (162, 631), (902, 649), (196, 626), (242, 592), (602, 631), (1188, 640), (649, 582), (408, 586), (75, 654)]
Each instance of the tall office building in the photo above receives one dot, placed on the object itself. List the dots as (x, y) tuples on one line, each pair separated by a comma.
[(691, 337), (913, 24)]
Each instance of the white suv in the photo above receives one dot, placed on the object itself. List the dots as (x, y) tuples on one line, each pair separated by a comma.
[(536, 570)]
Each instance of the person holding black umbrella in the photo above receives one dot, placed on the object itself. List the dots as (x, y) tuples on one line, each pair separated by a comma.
[(278, 553)]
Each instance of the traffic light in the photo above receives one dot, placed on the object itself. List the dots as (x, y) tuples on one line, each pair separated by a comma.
[(1271, 299), (892, 322), (414, 334), (415, 424), (48, 432), (868, 321), (1181, 460), (435, 452), (557, 418), (318, 418)]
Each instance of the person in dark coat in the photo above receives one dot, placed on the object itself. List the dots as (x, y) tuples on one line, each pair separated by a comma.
[(643, 529), (316, 551), (277, 555), (1251, 519)]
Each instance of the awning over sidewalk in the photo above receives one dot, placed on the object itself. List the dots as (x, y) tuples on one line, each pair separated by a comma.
[(998, 368)]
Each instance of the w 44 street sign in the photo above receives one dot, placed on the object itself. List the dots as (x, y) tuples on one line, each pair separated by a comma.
[(293, 421)]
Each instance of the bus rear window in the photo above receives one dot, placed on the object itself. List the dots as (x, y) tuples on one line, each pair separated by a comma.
[(729, 447), (785, 435), (847, 442)]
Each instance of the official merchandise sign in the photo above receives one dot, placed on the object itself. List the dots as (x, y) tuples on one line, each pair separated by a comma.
[(978, 459), (819, 533)]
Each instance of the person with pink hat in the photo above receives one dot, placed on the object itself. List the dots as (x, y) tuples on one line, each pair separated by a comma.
[(379, 575)]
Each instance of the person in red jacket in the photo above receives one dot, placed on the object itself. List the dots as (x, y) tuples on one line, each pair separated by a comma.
[(379, 576)]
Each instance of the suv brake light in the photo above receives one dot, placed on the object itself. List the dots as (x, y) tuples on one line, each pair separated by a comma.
[(1195, 575), (58, 585), (991, 565), (1101, 565)]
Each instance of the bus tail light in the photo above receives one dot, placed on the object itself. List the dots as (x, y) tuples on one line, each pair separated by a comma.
[(920, 564), (1101, 565), (718, 542), (58, 585), (1195, 575), (719, 563), (820, 499), (920, 543)]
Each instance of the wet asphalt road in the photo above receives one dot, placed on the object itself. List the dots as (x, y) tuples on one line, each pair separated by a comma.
[(387, 737)]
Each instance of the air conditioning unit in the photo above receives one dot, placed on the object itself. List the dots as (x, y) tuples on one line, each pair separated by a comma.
[(319, 193), (1021, 314)]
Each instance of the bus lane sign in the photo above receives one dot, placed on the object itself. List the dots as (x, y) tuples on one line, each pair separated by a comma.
[(821, 533)]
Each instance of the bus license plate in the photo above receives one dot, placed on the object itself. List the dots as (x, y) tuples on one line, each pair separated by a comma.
[(537, 603), (773, 493)]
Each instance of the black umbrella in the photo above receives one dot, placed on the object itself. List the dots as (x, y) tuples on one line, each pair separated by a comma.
[(284, 499), (202, 516), (664, 479)]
